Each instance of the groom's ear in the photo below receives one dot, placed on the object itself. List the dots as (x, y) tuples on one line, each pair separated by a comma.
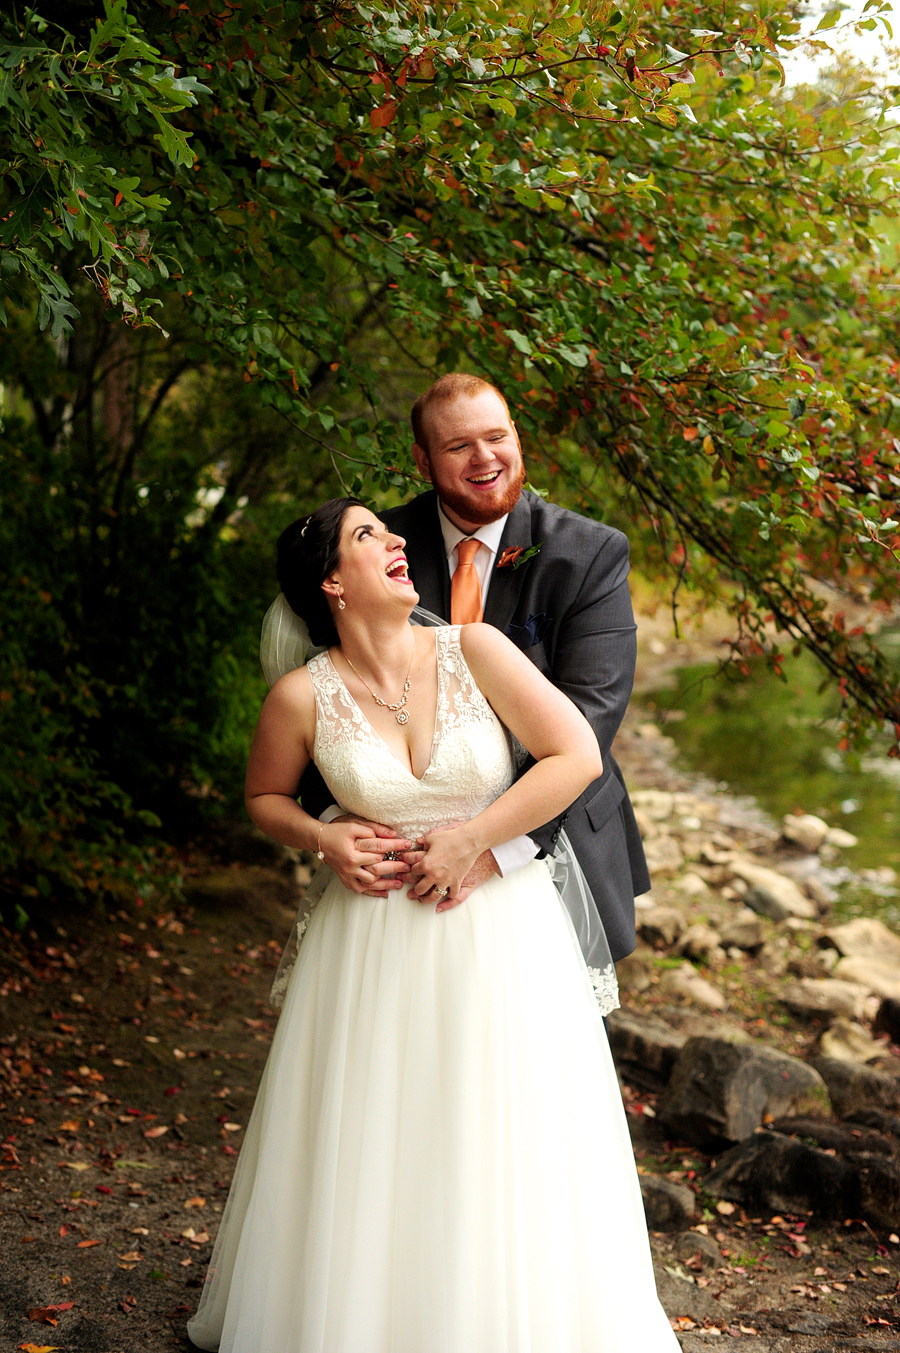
[(423, 464)]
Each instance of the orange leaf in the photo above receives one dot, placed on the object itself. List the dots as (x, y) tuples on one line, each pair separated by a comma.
[(383, 116), (70, 1125), (88, 1244), (690, 434), (156, 1131), (40, 1348), (118, 198)]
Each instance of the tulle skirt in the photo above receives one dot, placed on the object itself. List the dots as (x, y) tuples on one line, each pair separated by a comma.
[(438, 1160)]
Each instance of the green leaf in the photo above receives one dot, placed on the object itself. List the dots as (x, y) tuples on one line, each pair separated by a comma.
[(519, 341), (829, 19)]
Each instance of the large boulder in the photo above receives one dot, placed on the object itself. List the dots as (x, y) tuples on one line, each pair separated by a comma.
[(784, 891), (721, 1091), (826, 996), (865, 937), (881, 979), (853, 1176), (644, 1048), (776, 1173), (667, 1206), (857, 1087)]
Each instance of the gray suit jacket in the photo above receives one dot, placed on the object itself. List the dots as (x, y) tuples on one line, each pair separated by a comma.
[(569, 609)]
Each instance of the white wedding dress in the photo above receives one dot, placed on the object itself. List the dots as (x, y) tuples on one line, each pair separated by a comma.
[(438, 1159)]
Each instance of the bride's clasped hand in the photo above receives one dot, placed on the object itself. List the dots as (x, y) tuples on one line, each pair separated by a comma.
[(438, 1159)]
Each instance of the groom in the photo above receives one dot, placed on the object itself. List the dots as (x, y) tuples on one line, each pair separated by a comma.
[(556, 584)]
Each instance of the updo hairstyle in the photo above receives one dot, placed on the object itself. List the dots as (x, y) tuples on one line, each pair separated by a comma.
[(307, 551)]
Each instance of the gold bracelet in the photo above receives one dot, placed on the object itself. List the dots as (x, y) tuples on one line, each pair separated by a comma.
[(320, 854)]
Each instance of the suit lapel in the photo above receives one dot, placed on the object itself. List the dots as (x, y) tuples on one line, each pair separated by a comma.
[(507, 583), (425, 550)]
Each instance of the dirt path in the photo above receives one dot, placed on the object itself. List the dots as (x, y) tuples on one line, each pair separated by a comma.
[(130, 1050)]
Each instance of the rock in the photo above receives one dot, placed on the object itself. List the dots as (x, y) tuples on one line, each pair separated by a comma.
[(644, 1048), (849, 1042), (701, 942), (887, 1020), (635, 973), (667, 1206), (691, 1022), (744, 934), (821, 894), (805, 830), (764, 903), (883, 979), (661, 926), (779, 1174), (857, 1087), (684, 983), (776, 1172), (657, 804), (825, 996), (721, 1091), (844, 1138), (844, 840), (663, 855), (692, 885), (680, 1296), (784, 891), (865, 937), (698, 1250)]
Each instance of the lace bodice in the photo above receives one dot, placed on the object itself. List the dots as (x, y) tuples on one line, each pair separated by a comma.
[(471, 761)]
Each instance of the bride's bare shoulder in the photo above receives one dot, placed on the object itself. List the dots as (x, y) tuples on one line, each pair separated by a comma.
[(485, 643), (292, 693)]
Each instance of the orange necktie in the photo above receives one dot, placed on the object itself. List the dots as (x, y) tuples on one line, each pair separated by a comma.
[(465, 589)]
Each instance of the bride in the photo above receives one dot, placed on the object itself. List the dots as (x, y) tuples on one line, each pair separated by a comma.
[(438, 1159)]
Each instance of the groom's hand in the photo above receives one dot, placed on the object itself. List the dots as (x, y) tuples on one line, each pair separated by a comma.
[(388, 875)]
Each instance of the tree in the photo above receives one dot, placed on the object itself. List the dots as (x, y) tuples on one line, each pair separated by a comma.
[(614, 214)]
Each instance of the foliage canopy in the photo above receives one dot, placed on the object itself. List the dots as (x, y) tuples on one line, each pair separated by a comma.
[(307, 210)]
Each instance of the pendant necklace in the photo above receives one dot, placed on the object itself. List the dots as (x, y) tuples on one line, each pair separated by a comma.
[(397, 709)]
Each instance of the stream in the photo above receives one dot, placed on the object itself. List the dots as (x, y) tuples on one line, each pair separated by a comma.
[(778, 741)]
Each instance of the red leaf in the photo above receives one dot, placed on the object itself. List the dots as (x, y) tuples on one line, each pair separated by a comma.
[(103, 1188), (382, 116)]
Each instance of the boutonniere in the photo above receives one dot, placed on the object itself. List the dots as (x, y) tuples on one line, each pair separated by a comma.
[(516, 555)]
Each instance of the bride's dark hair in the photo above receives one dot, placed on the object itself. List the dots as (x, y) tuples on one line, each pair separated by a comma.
[(307, 551)]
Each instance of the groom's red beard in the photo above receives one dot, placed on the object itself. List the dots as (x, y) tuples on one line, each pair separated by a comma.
[(478, 509)]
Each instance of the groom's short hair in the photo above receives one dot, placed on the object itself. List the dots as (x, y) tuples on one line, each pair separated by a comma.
[(444, 390)]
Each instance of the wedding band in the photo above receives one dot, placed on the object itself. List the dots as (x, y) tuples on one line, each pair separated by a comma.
[(441, 892)]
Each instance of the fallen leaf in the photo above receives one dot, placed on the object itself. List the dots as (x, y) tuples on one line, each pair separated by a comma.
[(157, 1131), (132, 1256), (880, 1269), (26, 1240), (186, 1263), (73, 1165), (725, 1209), (232, 1127), (70, 1125), (202, 1238), (150, 1038), (46, 1315), (139, 1231), (228, 1150), (128, 1304), (39, 1348), (88, 1244)]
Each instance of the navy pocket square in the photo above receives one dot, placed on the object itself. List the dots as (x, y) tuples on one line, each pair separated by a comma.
[(532, 632)]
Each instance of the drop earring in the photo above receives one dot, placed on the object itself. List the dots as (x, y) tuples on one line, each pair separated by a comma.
[(342, 605)]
